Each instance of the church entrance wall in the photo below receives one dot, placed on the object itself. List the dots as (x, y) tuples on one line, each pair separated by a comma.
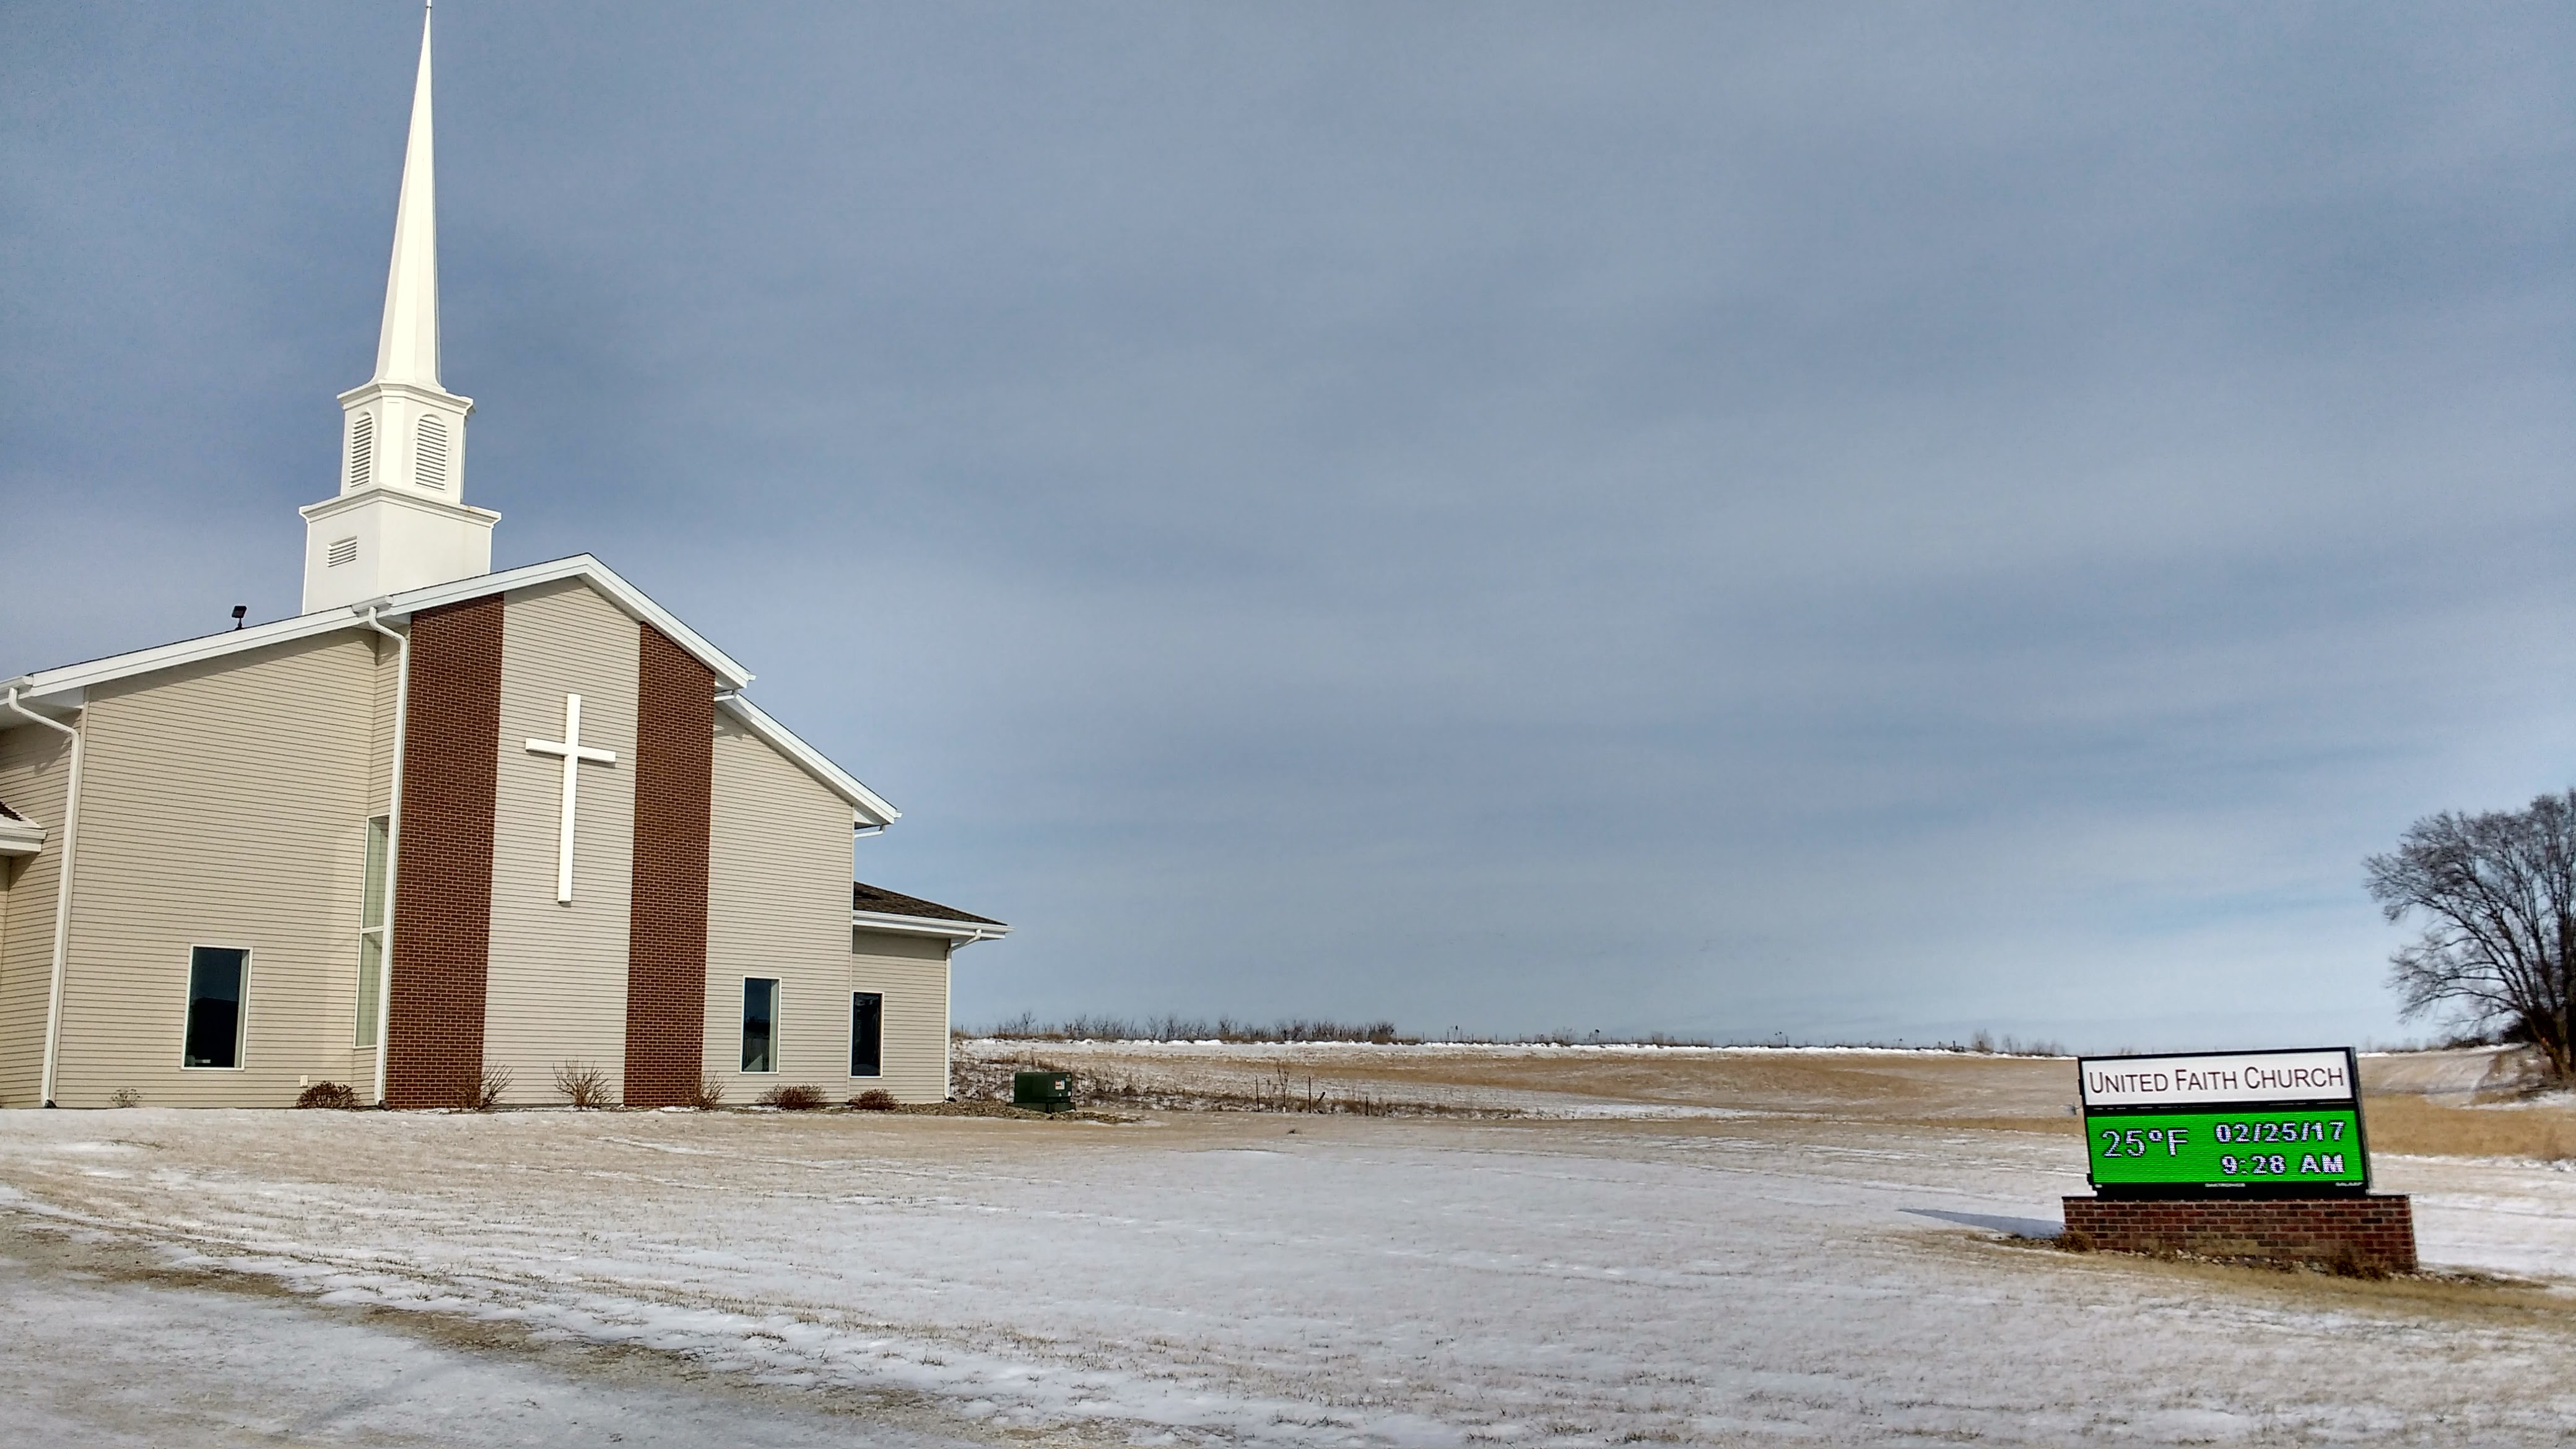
[(557, 992)]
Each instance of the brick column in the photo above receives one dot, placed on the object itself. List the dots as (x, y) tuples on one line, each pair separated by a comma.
[(443, 898), (666, 950)]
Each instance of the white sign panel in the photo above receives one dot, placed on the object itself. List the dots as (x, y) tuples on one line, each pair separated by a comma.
[(2319, 1076)]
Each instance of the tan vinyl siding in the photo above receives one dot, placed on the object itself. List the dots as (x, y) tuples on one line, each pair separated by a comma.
[(35, 763), (557, 989), (912, 972), (778, 905), (380, 740), (223, 804)]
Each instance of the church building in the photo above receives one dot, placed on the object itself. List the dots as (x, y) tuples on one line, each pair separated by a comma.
[(447, 835)]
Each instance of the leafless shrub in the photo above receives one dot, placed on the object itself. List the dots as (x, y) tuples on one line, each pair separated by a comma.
[(488, 1090), (792, 1098), (125, 1097), (875, 1099), (328, 1094), (710, 1094), (582, 1084)]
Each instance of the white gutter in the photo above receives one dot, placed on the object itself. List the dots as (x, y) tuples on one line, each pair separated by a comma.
[(958, 933), (393, 848), (21, 836), (62, 891)]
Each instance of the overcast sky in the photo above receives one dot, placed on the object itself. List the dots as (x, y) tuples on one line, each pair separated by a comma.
[(1854, 523)]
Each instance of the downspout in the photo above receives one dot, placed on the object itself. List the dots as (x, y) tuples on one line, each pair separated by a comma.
[(393, 848), (62, 892)]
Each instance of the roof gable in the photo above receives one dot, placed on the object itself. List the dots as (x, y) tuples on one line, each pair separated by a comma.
[(63, 684), (871, 807), (66, 687)]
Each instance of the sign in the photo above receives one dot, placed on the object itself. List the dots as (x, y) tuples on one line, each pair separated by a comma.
[(2325, 1076), (2276, 1119)]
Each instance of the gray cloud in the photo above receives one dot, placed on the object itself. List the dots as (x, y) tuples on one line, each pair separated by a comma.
[(1845, 522)]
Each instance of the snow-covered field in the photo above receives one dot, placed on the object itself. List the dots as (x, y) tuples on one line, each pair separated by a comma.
[(1813, 1259)]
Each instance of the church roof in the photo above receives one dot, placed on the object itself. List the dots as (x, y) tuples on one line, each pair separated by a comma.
[(8, 814), (65, 687), (878, 901), (63, 684)]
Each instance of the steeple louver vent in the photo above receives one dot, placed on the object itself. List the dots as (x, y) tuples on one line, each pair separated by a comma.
[(430, 464), (343, 551), (362, 450)]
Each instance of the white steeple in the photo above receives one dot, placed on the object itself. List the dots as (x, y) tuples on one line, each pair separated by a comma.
[(400, 520), (407, 349)]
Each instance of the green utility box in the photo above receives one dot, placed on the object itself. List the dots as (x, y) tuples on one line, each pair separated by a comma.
[(1042, 1091)]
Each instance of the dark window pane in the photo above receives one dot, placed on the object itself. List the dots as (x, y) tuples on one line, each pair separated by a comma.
[(760, 1025), (214, 1006), (867, 1034)]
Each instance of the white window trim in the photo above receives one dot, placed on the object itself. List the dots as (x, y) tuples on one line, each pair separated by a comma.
[(241, 1019), (852, 1055), (777, 1000), (359, 1025)]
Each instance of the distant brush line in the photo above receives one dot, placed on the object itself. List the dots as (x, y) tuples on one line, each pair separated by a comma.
[(1226, 1029), (1026, 1027)]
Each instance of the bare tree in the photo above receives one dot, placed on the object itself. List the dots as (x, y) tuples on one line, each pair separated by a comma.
[(2498, 895)]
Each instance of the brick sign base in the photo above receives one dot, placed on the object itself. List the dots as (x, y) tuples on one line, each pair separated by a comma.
[(2370, 1232)]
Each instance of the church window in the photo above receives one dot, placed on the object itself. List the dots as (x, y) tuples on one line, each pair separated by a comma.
[(760, 1024), (343, 551), (362, 449), (867, 1033), (216, 978), (430, 463), (371, 934)]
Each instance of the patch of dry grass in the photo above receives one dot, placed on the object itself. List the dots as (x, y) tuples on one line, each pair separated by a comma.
[(2400, 1122), (2465, 1295)]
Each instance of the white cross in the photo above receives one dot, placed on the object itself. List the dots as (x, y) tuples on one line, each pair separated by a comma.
[(573, 752)]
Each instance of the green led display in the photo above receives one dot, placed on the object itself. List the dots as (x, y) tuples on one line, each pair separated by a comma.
[(2319, 1146)]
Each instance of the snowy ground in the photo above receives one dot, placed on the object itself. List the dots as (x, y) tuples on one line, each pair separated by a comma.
[(1815, 1274), (99, 1358)]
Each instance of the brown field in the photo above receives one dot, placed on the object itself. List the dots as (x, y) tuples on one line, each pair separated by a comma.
[(2444, 1104), (2405, 1122)]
